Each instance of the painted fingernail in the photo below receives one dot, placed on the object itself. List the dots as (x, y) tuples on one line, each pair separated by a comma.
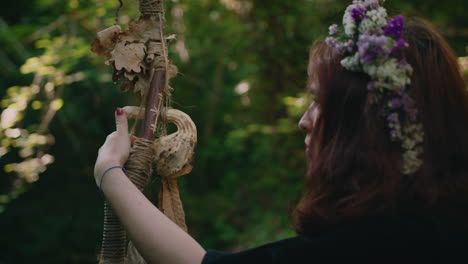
[(119, 111)]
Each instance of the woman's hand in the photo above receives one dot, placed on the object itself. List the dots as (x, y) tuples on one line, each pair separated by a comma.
[(116, 148), (155, 236)]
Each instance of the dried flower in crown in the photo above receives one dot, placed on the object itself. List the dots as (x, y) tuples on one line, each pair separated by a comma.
[(370, 42)]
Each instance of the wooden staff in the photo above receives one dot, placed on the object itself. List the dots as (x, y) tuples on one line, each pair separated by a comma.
[(149, 62)]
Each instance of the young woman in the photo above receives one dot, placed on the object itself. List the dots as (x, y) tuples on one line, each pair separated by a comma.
[(387, 144)]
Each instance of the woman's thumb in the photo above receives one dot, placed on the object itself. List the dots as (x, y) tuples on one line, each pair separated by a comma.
[(121, 122)]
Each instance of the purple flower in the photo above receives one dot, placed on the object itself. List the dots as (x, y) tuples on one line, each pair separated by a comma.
[(409, 106), (394, 27), (350, 45), (371, 3), (333, 29), (395, 103), (395, 134), (402, 64), (330, 41), (358, 13), (333, 42), (394, 124), (371, 47), (340, 47), (401, 43), (393, 118)]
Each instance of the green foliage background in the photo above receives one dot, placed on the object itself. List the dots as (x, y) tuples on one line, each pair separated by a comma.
[(243, 70)]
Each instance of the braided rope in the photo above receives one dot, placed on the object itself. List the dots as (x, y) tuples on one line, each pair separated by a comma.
[(113, 238), (138, 169), (151, 7)]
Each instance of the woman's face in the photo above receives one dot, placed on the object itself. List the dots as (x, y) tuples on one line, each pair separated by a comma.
[(309, 118), (307, 123)]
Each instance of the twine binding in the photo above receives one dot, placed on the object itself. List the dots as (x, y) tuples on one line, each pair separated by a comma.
[(139, 163)]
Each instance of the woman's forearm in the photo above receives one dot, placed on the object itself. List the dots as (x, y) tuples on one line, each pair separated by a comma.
[(156, 237)]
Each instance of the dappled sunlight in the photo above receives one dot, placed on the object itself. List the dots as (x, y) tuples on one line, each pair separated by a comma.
[(296, 106), (9, 117), (241, 7), (28, 110), (30, 169), (242, 88)]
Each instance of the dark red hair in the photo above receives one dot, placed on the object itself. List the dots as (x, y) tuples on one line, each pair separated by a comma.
[(355, 171)]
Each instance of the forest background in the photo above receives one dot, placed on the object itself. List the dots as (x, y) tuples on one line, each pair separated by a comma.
[(242, 76)]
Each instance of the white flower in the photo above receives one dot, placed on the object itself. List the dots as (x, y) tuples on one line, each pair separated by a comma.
[(351, 63), (366, 25), (348, 21), (408, 143), (390, 73), (411, 162), (350, 29), (370, 69), (387, 69), (378, 16)]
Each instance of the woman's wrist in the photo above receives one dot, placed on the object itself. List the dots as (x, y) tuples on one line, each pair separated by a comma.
[(107, 171), (101, 167), (111, 179)]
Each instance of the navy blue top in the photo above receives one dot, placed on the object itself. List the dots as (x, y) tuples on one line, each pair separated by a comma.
[(376, 241)]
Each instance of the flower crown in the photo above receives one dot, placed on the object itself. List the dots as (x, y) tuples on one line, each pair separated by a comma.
[(371, 42)]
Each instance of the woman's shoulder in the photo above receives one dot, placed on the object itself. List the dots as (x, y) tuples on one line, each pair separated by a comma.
[(379, 240)]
